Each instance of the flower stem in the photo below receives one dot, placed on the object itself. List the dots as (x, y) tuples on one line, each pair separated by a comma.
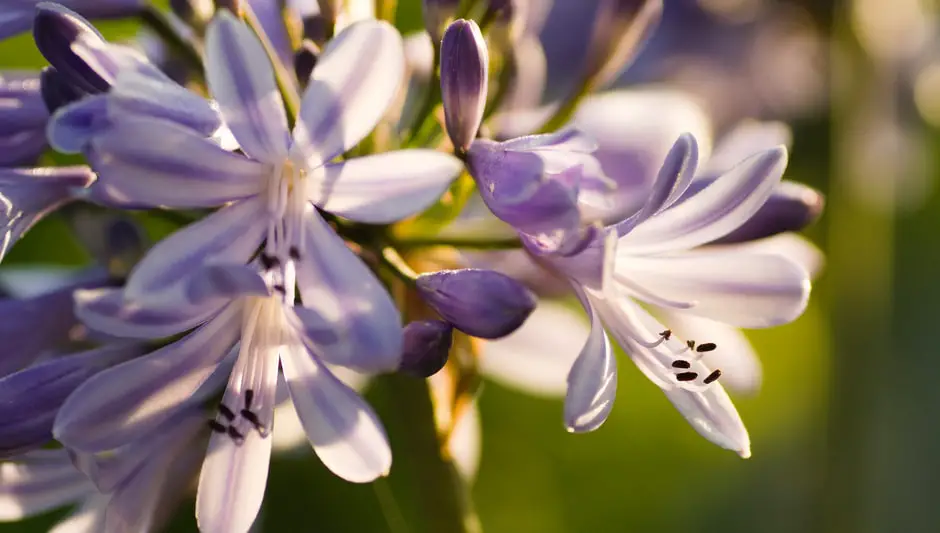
[(157, 21), (397, 264), (282, 76)]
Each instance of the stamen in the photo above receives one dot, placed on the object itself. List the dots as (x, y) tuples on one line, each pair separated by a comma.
[(280, 288), (269, 262), (249, 397), (686, 376), (294, 253), (712, 377), (251, 417), (680, 363), (666, 334), (226, 412), (706, 347), (216, 426), (690, 344), (235, 435)]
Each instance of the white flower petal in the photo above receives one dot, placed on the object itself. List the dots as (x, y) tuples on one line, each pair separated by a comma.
[(232, 483)]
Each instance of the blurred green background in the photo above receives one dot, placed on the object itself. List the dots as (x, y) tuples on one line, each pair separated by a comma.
[(844, 430)]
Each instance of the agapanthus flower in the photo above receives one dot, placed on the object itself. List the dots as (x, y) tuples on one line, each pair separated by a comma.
[(18, 15), (239, 303), (161, 163)]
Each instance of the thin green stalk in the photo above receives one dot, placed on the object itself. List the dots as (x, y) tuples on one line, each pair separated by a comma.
[(397, 264), (284, 78), (158, 22)]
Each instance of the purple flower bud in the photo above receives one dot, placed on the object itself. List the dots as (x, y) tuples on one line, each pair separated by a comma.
[(56, 29), (56, 90), (426, 347), (791, 207), (464, 72), (436, 14), (305, 60), (482, 303)]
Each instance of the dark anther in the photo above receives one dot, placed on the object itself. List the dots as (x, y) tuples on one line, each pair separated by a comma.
[(690, 344), (686, 376), (679, 363), (217, 427), (249, 397), (235, 434), (280, 288), (253, 418), (666, 334), (712, 377), (269, 261), (294, 253), (226, 412), (706, 347)]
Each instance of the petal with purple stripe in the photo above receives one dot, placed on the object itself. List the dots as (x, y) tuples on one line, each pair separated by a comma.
[(241, 79), (232, 482), (592, 381), (37, 482), (108, 311), (384, 188)]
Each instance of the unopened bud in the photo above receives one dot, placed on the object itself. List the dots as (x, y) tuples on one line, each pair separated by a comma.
[(426, 347), (437, 14), (482, 303), (56, 91), (791, 207), (464, 72), (62, 36)]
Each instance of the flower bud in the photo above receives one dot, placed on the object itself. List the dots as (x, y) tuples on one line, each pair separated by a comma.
[(426, 347), (791, 207), (63, 37), (56, 90), (482, 303), (305, 60), (464, 71), (437, 13)]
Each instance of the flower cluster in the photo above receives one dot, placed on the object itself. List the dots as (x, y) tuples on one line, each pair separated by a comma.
[(347, 205)]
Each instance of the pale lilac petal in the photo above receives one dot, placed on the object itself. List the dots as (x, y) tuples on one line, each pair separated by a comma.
[(89, 518), (224, 282), (592, 381), (32, 326), (746, 139), (136, 93), (137, 396), (72, 127), (538, 356), (740, 289), (37, 482), (232, 483), (740, 368), (108, 311), (353, 320), (384, 188), (230, 235), (796, 248), (344, 430), (720, 208), (241, 79), (356, 78), (673, 180), (714, 416), (147, 162)]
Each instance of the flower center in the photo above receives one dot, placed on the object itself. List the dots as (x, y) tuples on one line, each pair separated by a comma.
[(683, 364), (286, 196)]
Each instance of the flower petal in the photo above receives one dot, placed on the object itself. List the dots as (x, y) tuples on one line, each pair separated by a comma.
[(538, 356), (465, 441), (384, 188), (87, 518), (128, 400), (354, 322), (344, 430), (37, 482), (747, 138), (230, 235), (232, 482), (712, 414), (136, 93), (32, 326), (592, 381), (241, 79), (740, 289), (147, 162), (720, 208), (355, 80), (30, 398), (108, 311)]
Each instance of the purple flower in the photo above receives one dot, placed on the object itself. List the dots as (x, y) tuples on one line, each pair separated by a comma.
[(18, 15), (151, 162), (655, 257), (23, 117), (426, 347), (534, 183), (27, 195), (482, 303), (464, 78), (240, 303)]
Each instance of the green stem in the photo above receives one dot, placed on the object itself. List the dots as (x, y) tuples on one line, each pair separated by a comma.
[(397, 264), (283, 77), (159, 23)]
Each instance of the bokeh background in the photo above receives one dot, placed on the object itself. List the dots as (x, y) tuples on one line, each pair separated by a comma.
[(845, 428)]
